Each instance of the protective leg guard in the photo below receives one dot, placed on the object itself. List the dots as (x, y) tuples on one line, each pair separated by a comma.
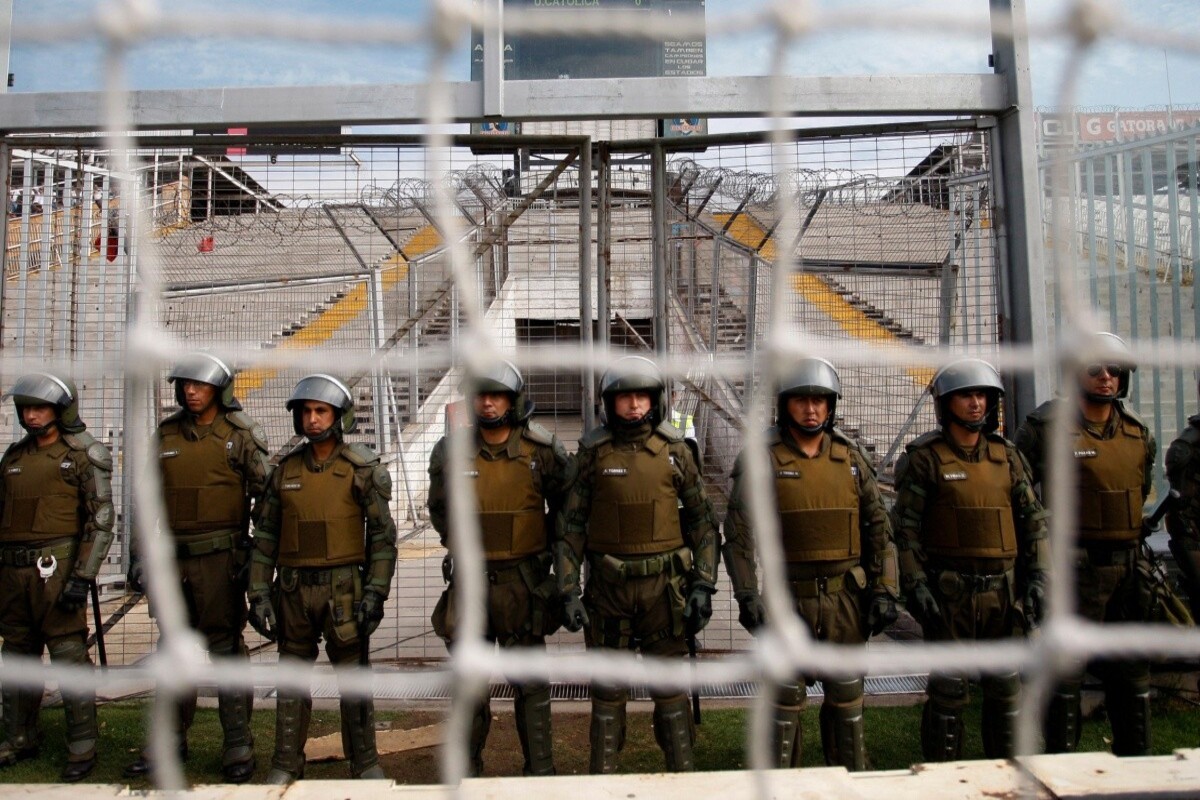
[(481, 724), (674, 732), (608, 728), (358, 737), (1063, 718), (1129, 711), (941, 720), (842, 724), (1001, 696), (532, 708), (22, 738), (80, 710), (237, 757), (292, 713), (788, 733)]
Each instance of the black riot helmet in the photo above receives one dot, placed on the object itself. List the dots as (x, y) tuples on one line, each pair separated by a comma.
[(43, 388), (205, 368), (323, 389), (1110, 351), (810, 376), (505, 378), (634, 374), (960, 376)]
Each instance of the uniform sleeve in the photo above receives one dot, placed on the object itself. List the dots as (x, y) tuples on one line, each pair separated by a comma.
[(913, 487), (878, 547), (557, 468), (374, 488), (570, 534), (266, 536), (254, 465), (739, 549), (1029, 515), (1148, 471), (437, 490), (1183, 473), (94, 473), (699, 519), (1030, 441)]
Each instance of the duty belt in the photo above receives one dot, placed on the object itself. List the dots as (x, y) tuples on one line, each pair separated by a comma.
[(815, 587), (976, 584), (311, 576), (203, 547), (22, 556), (1110, 556), (676, 562)]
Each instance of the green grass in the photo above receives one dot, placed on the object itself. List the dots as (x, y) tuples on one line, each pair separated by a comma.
[(892, 740)]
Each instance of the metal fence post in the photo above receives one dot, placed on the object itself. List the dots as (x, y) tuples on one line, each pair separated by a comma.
[(585, 282)]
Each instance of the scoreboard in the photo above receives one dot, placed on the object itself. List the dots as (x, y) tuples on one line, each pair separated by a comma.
[(565, 55)]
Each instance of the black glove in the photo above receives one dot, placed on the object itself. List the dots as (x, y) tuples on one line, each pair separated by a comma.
[(922, 605), (74, 594), (752, 614), (575, 616), (137, 576), (370, 612), (262, 616), (881, 613), (1035, 598), (698, 609)]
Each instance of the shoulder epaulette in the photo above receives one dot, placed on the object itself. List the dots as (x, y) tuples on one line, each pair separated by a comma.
[(1194, 420), (1044, 413), (172, 418), (79, 441), (537, 433), (595, 437), (924, 440), (773, 436), (242, 420), (360, 455), (1132, 415), (669, 432), (839, 435)]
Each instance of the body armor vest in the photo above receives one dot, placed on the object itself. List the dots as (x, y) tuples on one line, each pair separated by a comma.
[(321, 522), (635, 508), (512, 513), (818, 504), (39, 503), (1110, 484), (202, 492), (971, 515)]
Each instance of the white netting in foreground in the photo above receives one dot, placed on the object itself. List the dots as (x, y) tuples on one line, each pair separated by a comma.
[(398, 263)]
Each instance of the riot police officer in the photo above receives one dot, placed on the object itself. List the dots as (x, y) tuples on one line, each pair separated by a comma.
[(520, 471), (638, 512), (213, 463), (972, 542), (837, 540), (55, 531), (1183, 523), (314, 574), (1114, 456)]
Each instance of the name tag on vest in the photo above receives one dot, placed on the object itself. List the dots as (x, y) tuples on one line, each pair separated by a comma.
[(471, 473), (14, 470), (291, 487), (787, 473), (1085, 453), (65, 465), (614, 472), (168, 454), (954, 476)]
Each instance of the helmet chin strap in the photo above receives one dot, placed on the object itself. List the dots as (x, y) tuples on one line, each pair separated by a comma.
[(973, 427), (41, 431), (1102, 399), (508, 418), (632, 424), (810, 430)]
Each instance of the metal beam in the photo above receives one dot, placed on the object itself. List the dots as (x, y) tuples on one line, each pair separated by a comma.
[(1019, 210), (602, 98)]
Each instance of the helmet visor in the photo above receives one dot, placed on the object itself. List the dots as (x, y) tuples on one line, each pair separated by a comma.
[(41, 387)]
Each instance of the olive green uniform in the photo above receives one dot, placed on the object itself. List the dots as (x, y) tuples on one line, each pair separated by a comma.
[(1115, 463), (837, 540), (1183, 524), (519, 488), (310, 549), (212, 476), (57, 501), (638, 513), (969, 529)]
